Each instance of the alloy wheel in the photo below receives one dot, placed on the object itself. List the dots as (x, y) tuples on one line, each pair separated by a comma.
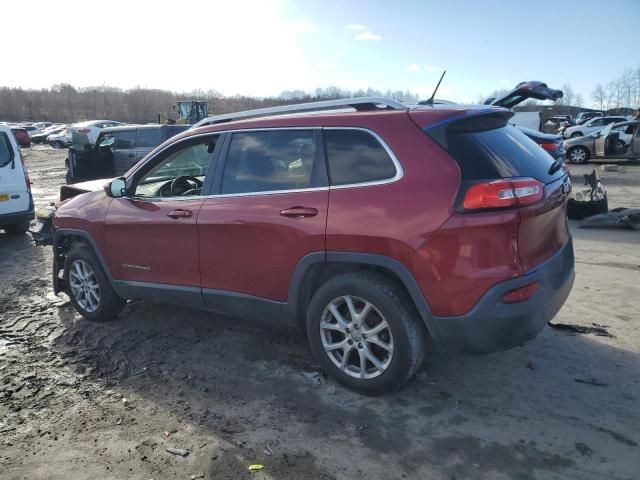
[(356, 337), (578, 155), (84, 285)]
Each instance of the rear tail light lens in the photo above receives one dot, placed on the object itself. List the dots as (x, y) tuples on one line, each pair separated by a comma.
[(503, 194), (521, 294), (26, 172), (84, 130), (549, 147)]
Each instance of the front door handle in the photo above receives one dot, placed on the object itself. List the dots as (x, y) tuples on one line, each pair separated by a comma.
[(130, 155), (299, 212), (180, 213)]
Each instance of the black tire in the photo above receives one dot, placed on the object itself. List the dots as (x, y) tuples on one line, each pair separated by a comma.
[(17, 228), (576, 135), (109, 304), (58, 144), (578, 154), (409, 336)]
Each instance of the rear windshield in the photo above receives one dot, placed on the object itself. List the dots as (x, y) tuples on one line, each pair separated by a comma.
[(487, 148), (6, 152)]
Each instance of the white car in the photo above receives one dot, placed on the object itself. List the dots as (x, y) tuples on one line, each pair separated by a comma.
[(16, 203), (61, 139), (590, 126), (92, 128)]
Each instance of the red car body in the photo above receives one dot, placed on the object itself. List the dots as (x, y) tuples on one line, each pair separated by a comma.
[(22, 137), (240, 255)]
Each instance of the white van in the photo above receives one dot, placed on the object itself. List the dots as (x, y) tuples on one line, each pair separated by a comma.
[(16, 203)]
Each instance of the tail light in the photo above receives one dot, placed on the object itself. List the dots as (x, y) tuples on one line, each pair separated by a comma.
[(503, 194), (26, 172), (549, 147), (84, 130), (521, 294)]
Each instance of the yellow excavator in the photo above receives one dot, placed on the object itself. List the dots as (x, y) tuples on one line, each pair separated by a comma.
[(187, 112)]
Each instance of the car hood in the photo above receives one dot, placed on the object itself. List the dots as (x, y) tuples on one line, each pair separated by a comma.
[(75, 189)]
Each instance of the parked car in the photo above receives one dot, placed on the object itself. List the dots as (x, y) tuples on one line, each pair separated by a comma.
[(590, 126), (61, 139), (16, 203), (549, 142), (582, 117), (21, 136), (366, 231), (87, 132), (619, 140), (43, 136), (116, 150)]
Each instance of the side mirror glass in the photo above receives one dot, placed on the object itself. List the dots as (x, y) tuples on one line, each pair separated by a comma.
[(117, 187)]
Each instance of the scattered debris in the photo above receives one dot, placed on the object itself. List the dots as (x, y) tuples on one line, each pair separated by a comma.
[(583, 449), (202, 445), (178, 451), (596, 329), (316, 378), (168, 433), (127, 403), (255, 467), (268, 451), (197, 475), (590, 381), (119, 422)]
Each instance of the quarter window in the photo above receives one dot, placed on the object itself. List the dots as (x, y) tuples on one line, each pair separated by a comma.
[(270, 161), (356, 156)]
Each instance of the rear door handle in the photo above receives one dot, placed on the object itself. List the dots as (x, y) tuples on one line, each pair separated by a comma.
[(180, 213), (299, 212)]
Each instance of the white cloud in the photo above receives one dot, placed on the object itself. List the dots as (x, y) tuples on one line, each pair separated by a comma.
[(355, 27), (414, 67), (368, 35)]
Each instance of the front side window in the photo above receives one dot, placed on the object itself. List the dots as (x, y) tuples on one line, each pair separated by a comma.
[(6, 152), (270, 161), (356, 156), (180, 173), (126, 139)]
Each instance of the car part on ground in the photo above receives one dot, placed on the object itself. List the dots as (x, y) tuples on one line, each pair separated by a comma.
[(616, 218), (589, 201), (351, 243)]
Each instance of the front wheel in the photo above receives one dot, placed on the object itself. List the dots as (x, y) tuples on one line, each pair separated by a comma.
[(578, 155), (365, 333), (88, 287), (576, 135)]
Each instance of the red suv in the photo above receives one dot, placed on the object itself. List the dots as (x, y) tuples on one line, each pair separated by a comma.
[(380, 231)]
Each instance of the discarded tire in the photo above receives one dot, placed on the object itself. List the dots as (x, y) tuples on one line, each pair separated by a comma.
[(578, 210)]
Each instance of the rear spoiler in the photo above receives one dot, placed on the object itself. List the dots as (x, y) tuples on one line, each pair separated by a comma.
[(524, 91)]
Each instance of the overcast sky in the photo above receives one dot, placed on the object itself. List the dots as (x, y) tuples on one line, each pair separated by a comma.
[(264, 47)]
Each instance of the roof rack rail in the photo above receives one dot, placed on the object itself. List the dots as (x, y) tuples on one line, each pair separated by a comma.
[(360, 104)]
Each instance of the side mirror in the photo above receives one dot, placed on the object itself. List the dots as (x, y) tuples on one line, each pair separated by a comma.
[(116, 188)]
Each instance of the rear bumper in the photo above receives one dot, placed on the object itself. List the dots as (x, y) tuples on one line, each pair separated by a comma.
[(492, 325), (18, 217)]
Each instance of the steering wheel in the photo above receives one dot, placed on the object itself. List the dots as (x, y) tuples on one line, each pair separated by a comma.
[(184, 184)]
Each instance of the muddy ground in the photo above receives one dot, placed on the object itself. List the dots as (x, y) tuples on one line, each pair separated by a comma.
[(83, 400)]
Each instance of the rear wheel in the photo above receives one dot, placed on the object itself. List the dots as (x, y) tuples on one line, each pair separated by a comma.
[(88, 287), (58, 144), (364, 331), (578, 155), (16, 228)]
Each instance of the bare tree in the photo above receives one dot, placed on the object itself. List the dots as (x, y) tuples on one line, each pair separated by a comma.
[(567, 98), (599, 95), (579, 101)]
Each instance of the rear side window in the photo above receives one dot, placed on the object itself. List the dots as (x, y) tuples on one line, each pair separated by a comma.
[(126, 139), (356, 156), (270, 161), (148, 137), (6, 152), (487, 148)]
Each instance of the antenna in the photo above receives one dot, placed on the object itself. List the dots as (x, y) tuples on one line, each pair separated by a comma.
[(433, 96)]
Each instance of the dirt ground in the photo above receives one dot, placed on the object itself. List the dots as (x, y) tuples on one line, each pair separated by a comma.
[(83, 400)]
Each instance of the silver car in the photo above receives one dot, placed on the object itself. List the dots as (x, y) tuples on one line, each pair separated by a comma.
[(591, 126), (616, 140)]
